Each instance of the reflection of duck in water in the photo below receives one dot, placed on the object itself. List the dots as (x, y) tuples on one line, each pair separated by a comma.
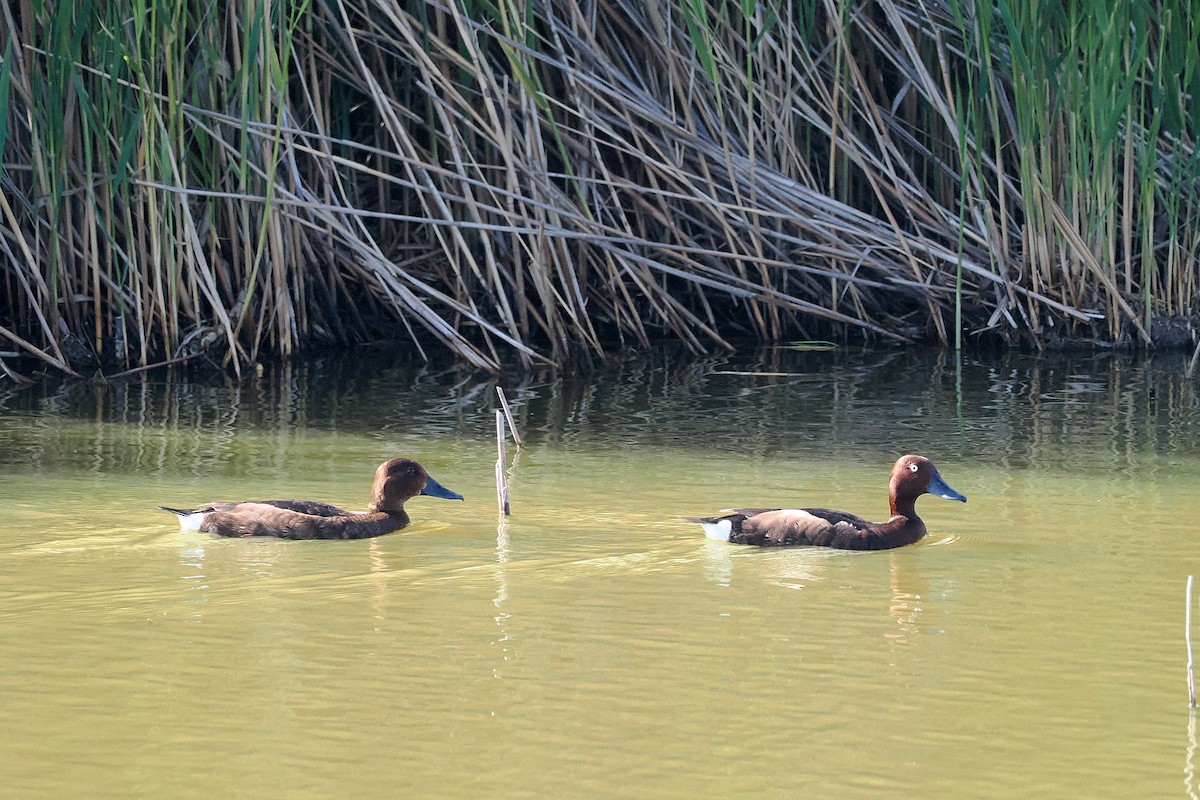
[(395, 481), (912, 476)]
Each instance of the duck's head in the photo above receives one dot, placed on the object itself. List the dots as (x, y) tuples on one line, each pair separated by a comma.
[(914, 476), (401, 479)]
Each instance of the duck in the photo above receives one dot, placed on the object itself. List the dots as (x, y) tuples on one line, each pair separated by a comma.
[(912, 476), (396, 481)]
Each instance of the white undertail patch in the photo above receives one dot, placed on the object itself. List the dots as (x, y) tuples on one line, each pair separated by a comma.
[(191, 522), (718, 530)]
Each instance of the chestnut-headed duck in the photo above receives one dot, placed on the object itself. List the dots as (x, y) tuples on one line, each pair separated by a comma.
[(395, 481), (912, 477)]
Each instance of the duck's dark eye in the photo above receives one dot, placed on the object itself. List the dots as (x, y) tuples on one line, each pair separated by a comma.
[(912, 467)]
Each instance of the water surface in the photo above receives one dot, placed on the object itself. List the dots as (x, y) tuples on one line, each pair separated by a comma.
[(592, 644)]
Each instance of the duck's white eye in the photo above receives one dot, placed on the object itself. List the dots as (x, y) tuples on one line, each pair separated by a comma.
[(912, 467)]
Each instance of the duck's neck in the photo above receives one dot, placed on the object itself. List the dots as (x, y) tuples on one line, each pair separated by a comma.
[(394, 513), (904, 505)]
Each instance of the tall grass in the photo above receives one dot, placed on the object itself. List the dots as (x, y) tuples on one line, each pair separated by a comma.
[(554, 179)]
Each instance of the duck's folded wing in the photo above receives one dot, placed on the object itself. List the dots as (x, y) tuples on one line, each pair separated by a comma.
[(806, 526), (266, 519), (747, 512), (311, 507), (284, 521)]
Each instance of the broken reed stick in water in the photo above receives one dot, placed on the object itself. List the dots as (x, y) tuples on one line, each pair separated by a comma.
[(501, 470), (1188, 638), (512, 426)]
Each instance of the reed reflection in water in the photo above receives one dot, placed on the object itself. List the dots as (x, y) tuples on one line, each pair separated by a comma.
[(1012, 411)]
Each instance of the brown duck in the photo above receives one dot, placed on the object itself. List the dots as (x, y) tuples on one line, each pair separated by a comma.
[(912, 476), (396, 481)]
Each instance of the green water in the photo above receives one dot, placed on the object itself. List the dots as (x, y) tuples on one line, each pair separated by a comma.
[(592, 644)]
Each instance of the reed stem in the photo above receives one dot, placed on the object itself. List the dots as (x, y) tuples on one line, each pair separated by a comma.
[(1191, 678), (512, 426), (501, 467), (553, 181)]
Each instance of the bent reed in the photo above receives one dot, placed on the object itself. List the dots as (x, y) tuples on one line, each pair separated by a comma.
[(556, 178)]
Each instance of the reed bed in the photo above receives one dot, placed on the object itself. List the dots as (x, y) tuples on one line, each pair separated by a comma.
[(550, 180)]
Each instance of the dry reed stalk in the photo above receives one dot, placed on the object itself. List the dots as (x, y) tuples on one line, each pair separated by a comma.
[(1191, 677), (512, 426), (501, 467), (550, 180)]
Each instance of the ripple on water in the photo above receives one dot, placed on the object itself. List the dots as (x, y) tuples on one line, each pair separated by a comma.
[(1030, 646)]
